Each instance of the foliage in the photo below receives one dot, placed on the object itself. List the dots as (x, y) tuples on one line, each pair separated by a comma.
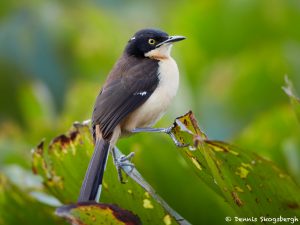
[(54, 57), (17, 205), (295, 101), (62, 166), (92, 213), (252, 185)]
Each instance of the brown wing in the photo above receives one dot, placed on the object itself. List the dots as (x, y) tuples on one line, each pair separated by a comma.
[(129, 85)]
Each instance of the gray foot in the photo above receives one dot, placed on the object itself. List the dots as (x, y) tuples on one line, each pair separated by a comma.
[(161, 130), (122, 162)]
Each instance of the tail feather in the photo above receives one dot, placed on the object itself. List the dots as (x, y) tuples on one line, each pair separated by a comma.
[(94, 174)]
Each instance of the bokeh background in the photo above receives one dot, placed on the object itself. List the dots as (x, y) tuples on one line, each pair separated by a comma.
[(55, 55)]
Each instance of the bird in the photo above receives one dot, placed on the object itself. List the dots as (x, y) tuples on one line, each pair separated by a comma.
[(135, 95)]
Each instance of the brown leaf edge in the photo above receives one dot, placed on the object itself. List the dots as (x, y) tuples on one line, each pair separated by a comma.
[(122, 215), (187, 123)]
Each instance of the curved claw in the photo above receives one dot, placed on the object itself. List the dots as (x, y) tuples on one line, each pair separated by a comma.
[(180, 145), (122, 162), (124, 158)]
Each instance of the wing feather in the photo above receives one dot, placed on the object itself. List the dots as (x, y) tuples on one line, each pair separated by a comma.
[(128, 86)]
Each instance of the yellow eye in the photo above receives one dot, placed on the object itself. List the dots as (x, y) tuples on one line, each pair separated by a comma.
[(151, 41)]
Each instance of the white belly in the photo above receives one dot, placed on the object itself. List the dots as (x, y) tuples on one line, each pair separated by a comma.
[(156, 105)]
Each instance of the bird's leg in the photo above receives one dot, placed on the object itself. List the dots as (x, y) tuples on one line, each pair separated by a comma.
[(167, 130), (121, 162)]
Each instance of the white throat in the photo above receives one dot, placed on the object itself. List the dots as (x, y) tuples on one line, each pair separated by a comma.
[(162, 52)]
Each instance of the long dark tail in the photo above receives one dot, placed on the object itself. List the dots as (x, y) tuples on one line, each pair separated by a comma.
[(94, 174)]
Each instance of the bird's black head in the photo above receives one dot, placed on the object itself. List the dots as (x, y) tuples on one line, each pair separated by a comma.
[(146, 40)]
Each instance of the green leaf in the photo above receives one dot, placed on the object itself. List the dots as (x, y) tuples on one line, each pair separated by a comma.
[(275, 135), (62, 166), (135, 198), (295, 100), (17, 206), (93, 213), (63, 163), (252, 185)]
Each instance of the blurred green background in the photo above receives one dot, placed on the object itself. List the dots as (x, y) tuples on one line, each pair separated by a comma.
[(55, 55)]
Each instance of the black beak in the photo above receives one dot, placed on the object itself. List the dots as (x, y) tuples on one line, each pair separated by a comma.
[(171, 39)]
